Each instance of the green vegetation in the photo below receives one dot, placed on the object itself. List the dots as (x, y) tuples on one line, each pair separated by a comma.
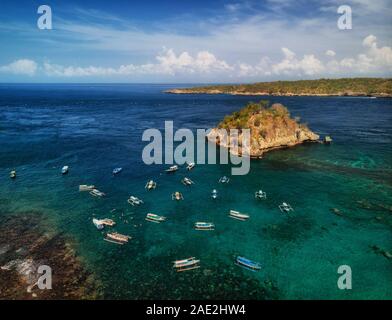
[(341, 87), (239, 119)]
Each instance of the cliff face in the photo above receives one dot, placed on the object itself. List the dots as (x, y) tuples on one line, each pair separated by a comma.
[(270, 128)]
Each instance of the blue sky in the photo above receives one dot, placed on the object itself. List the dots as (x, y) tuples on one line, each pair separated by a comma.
[(193, 41)]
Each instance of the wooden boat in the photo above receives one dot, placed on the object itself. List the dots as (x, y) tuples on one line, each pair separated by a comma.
[(107, 222), (85, 187), (214, 194), (65, 170), (177, 196), (98, 224), (116, 171), (190, 166), (13, 174), (224, 179), (134, 201), (172, 169), (186, 264), (237, 215), (204, 226), (248, 264), (117, 238), (155, 218), (150, 185), (285, 207), (97, 193), (260, 194), (187, 182)]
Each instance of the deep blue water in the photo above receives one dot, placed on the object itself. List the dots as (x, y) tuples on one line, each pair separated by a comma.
[(94, 128)]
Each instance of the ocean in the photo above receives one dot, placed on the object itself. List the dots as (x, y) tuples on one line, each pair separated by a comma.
[(94, 128)]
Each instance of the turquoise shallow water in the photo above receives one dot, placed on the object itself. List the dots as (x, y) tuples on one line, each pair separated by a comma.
[(94, 128)]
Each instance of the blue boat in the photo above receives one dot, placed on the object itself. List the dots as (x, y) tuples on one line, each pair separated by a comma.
[(117, 171), (248, 264)]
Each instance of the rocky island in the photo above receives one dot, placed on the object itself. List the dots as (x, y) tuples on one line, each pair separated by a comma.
[(270, 128), (370, 87)]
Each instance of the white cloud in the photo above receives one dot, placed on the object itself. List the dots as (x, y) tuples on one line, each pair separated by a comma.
[(330, 53), (20, 67)]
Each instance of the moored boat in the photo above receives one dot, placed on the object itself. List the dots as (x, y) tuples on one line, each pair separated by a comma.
[(85, 187), (247, 263), (177, 196), (13, 174), (186, 264), (260, 194), (155, 218), (116, 171), (187, 182), (172, 169), (190, 166), (150, 185), (98, 224), (135, 201), (117, 238), (224, 179), (285, 207), (237, 215), (97, 193), (204, 226), (65, 170)]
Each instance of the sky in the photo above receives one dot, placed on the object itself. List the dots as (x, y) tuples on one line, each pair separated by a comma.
[(188, 41)]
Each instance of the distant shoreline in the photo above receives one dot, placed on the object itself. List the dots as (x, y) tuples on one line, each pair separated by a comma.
[(345, 87)]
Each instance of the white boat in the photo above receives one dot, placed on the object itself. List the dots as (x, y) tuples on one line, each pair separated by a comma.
[(117, 171), (117, 238), (214, 194), (237, 215), (150, 185), (187, 182), (190, 166), (13, 174), (65, 170), (85, 187), (186, 264), (98, 224), (224, 179), (97, 193), (204, 226), (155, 218), (285, 207), (134, 201), (260, 194), (172, 169), (177, 196)]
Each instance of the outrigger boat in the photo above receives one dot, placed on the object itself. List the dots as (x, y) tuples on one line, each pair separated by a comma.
[(117, 238), (155, 218), (214, 194), (134, 201), (190, 166), (237, 215), (85, 187), (117, 171), (150, 185), (187, 182), (172, 169), (260, 194), (65, 170), (248, 264), (204, 226), (177, 196), (186, 264), (285, 207), (98, 224), (224, 179), (13, 174), (97, 193)]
